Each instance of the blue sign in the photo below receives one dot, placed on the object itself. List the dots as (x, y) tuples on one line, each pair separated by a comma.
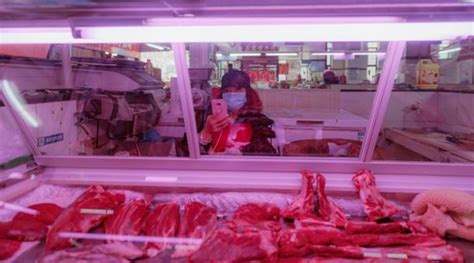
[(42, 141)]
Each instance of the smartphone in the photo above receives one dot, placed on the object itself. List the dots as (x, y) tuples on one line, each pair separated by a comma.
[(219, 107)]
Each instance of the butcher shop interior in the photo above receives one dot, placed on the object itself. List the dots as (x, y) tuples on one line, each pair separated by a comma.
[(236, 131)]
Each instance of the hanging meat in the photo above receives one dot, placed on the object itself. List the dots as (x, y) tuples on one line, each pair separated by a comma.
[(375, 206), (87, 212)]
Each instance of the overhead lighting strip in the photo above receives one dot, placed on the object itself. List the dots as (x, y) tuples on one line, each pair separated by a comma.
[(250, 30)]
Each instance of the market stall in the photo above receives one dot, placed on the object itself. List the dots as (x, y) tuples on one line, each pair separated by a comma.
[(353, 144)]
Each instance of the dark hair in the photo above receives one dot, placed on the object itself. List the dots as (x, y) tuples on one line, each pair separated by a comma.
[(236, 78)]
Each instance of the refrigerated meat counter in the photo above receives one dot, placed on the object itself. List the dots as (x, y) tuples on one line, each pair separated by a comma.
[(87, 215), (205, 208)]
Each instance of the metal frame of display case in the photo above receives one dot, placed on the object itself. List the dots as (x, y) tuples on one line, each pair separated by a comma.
[(260, 171)]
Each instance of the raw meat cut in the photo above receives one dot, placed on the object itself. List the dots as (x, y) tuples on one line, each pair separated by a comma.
[(128, 219), (310, 220), (375, 206), (241, 226), (27, 230), (257, 212), (354, 227), (163, 221), (48, 213), (338, 252), (331, 236), (88, 211), (442, 253), (254, 218), (104, 253), (304, 203), (8, 248), (327, 209), (442, 224), (437, 221), (452, 200), (445, 253), (199, 221), (26, 227), (227, 246)]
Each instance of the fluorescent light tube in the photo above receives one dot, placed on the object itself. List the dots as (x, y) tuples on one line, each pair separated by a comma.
[(283, 54), (156, 47), (449, 50), (367, 53), (245, 30), (245, 54), (328, 54), (280, 32)]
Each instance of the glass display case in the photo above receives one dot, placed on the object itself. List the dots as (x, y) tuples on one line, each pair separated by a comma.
[(237, 132)]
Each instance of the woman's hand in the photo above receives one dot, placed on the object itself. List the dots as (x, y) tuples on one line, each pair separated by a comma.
[(214, 123)]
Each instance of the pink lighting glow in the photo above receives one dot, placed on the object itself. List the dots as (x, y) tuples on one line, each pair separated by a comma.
[(247, 30)]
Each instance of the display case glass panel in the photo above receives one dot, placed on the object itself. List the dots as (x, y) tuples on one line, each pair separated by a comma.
[(97, 99), (430, 113), (297, 97)]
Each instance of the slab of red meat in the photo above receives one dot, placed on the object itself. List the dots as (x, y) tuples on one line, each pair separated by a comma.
[(163, 221), (8, 248), (227, 246), (327, 209), (26, 227), (253, 212), (241, 227), (331, 236), (26, 230), (445, 253), (354, 227), (103, 253), (442, 253), (311, 220), (48, 213), (375, 206), (78, 217), (304, 203), (199, 220), (128, 219)]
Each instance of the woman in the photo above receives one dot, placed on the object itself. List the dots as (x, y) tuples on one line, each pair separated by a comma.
[(245, 130)]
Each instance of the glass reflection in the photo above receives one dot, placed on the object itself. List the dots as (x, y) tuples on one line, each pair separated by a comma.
[(120, 99)]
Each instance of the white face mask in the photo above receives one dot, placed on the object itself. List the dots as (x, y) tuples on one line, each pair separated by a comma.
[(235, 100)]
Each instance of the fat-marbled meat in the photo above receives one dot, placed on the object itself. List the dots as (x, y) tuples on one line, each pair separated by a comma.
[(375, 206), (199, 220), (163, 221), (87, 212), (225, 245), (128, 219)]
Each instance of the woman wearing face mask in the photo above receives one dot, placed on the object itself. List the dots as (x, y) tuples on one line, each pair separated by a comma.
[(245, 130)]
